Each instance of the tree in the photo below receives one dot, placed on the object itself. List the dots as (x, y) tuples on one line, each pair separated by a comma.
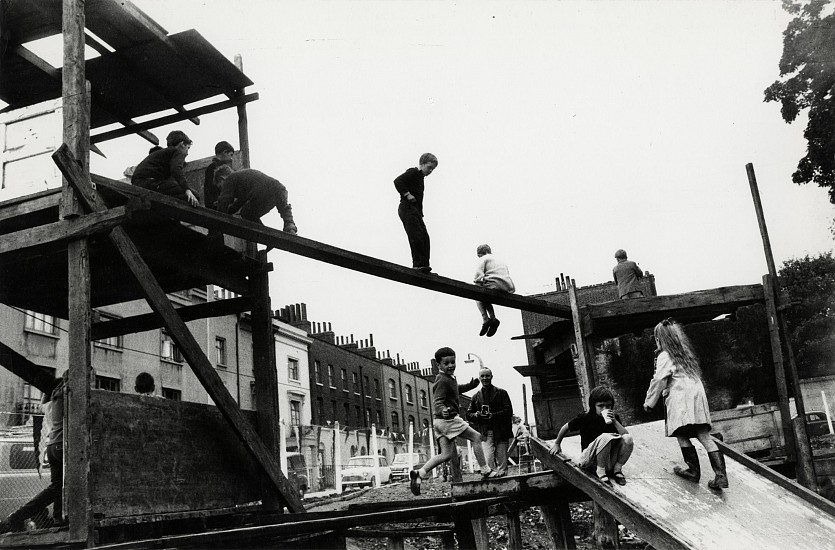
[(807, 79), (810, 284)]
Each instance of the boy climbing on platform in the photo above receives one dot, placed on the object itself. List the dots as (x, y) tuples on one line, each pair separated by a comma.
[(254, 193), (410, 186), (678, 378), (491, 273), (448, 424), (605, 443)]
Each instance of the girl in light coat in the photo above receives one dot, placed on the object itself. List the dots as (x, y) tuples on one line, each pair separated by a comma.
[(679, 379)]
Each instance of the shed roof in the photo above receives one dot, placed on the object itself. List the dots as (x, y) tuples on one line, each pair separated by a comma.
[(147, 72)]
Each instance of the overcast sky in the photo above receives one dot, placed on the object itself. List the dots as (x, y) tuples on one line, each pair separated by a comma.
[(564, 130)]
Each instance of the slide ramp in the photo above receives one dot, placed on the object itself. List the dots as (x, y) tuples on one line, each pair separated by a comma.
[(757, 511)]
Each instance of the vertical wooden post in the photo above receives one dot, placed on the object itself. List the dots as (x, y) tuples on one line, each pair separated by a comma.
[(779, 371), (605, 529), (264, 368), (584, 366), (806, 470), (243, 122), (448, 541), (514, 531), (395, 543), (558, 523), (76, 134), (464, 532), (481, 533)]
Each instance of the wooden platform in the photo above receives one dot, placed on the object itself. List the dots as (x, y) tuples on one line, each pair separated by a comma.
[(754, 512)]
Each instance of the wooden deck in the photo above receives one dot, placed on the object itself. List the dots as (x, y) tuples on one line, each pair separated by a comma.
[(755, 512)]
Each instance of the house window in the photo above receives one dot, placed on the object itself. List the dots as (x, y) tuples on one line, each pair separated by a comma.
[(425, 424), (410, 398), (344, 376), (356, 381), (169, 350), (367, 386), (292, 368), (333, 411), (358, 413), (317, 372), (107, 383), (377, 393), (295, 413), (38, 322), (331, 381), (379, 418), (220, 351), (320, 410), (423, 401), (392, 389), (347, 414), (114, 342), (395, 422), (171, 393), (412, 421), (367, 417)]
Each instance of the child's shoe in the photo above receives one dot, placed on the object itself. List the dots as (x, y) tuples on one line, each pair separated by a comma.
[(717, 461), (494, 326), (619, 478), (691, 458), (484, 328), (414, 482)]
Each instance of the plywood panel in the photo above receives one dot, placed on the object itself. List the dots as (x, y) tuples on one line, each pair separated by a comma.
[(153, 455)]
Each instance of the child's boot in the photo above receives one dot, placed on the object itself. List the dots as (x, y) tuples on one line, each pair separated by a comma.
[(717, 461), (691, 458)]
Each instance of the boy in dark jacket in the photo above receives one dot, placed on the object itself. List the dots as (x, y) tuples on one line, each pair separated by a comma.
[(162, 171), (255, 193), (410, 186), (216, 173)]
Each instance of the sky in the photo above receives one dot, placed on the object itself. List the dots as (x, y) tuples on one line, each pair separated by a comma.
[(564, 131)]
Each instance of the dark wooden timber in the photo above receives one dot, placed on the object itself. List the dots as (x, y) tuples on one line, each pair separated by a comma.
[(191, 350), (171, 119), (33, 374), (64, 230), (151, 321), (326, 253)]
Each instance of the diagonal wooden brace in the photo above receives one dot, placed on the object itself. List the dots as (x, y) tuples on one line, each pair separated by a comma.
[(189, 347)]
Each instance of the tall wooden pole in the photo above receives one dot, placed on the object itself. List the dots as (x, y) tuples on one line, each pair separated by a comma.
[(76, 134), (584, 363), (243, 122), (806, 469)]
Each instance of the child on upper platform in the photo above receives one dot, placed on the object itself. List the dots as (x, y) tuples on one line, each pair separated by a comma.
[(606, 445)]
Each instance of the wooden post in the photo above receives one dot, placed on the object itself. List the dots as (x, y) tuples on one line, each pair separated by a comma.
[(464, 532), (448, 541), (455, 465), (558, 523), (584, 365), (779, 371), (264, 369), (76, 134), (514, 531), (243, 122), (395, 543), (605, 529), (806, 470)]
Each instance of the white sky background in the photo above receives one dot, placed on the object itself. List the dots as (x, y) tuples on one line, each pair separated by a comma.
[(564, 130)]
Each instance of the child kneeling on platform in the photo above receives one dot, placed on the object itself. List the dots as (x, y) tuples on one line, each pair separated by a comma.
[(605, 443)]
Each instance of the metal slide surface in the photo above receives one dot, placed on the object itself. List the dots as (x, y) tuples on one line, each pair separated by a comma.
[(753, 513)]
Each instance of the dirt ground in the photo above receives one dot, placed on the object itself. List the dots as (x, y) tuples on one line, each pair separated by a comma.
[(534, 534)]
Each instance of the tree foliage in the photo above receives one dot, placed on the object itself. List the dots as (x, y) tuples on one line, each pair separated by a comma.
[(810, 284), (807, 78)]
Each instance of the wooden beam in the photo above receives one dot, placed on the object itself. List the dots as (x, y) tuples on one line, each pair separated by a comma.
[(308, 248), (30, 204), (243, 121), (779, 370), (171, 119), (514, 531), (557, 519), (191, 350), (31, 373), (264, 367), (75, 98), (152, 321), (65, 230), (584, 365), (611, 501)]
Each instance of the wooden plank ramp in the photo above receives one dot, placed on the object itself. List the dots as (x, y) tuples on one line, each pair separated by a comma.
[(756, 511)]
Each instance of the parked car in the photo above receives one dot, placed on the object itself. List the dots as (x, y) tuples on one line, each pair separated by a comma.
[(297, 473), (816, 423), (400, 465), (360, 471), (19, 478)]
